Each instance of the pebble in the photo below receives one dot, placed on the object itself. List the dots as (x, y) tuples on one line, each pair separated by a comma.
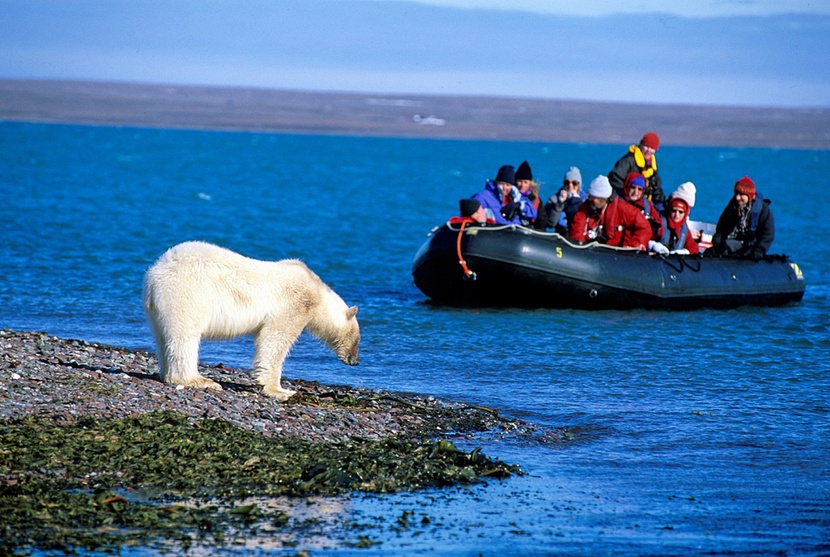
[(48, 376)]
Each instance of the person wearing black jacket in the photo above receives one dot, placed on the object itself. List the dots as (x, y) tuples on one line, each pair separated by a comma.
[(746, 227), (641, 159)]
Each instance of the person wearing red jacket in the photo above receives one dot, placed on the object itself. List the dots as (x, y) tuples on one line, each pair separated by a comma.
[(677, 236), (634, 193), (613, 222)]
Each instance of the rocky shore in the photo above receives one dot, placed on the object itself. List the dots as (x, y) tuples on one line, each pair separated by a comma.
[(61, 379), (85, 427)]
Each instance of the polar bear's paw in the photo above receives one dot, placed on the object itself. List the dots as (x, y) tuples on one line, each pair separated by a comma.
[(278, 393), (204, 383)]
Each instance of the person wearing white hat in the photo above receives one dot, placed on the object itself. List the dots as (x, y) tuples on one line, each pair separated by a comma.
[(677, 237), (609, 221)]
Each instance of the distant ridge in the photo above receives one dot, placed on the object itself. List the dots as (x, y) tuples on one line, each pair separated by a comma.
[(427, 116)]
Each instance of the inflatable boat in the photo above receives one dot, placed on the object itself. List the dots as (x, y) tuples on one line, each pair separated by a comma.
[(476, 265)]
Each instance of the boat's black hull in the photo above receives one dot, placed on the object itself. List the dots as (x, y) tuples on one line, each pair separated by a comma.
[(516, 266)]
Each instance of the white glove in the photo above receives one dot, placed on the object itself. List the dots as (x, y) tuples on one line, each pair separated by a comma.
[(683, 251), (657, 247)]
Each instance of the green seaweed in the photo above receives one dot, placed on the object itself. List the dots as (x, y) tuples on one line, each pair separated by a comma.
[(83, 484)]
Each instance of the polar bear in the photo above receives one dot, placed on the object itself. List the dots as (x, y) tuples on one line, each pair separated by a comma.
[(199, 290)]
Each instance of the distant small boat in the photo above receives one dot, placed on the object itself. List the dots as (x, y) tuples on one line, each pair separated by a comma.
[(516, 266)]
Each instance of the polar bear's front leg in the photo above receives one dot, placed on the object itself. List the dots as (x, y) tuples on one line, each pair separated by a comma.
[(181, 365), (270, 379), (271, 349)]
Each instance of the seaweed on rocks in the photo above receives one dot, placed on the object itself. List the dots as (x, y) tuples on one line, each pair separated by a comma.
[(67, 485), (96, 453)]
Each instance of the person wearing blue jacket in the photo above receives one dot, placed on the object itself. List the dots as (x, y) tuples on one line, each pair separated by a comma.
[(502, 201)]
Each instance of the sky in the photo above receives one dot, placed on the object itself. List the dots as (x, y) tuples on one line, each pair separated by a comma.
[(710, 52), (684, 8)]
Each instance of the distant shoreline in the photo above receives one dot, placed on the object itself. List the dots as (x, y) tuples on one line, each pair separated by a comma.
[(408, 116)]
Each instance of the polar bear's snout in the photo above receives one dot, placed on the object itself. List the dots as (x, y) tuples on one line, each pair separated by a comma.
[(348, 354), (352, 358)]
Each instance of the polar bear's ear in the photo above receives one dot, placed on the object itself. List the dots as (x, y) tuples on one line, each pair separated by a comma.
[(351, 312)]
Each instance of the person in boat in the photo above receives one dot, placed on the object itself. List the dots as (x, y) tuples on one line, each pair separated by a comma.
[(530, 191), (502, 202), (746, 226), (641, 158), (606, 218), (471, 212), (677, 237), (634, 193), (563, 205)]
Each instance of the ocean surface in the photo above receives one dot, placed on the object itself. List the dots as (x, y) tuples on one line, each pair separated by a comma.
[(700, 432)]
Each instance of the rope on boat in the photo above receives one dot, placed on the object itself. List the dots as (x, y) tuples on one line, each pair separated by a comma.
[(683, 262), (531, 232), (468, 274)]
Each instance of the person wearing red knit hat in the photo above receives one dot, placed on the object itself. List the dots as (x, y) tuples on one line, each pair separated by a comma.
[(641, 159), (746, 227)]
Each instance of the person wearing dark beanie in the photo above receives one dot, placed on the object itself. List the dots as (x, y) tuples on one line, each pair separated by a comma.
[(471, 212), (468, 207), (746, 227), (524, 173), (506, 174), (472, 209), (641, 158), (501, 200), (530, 191)]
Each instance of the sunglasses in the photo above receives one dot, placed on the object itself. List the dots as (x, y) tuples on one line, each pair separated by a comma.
[(678, 211), (570, 182)]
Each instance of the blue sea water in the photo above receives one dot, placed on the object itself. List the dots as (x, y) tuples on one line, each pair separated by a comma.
[(700, 432)]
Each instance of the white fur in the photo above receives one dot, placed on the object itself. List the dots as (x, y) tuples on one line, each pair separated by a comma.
[(198, 290)]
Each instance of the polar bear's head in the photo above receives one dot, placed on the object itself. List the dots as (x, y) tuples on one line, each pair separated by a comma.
[(336, 324), (348, 339)]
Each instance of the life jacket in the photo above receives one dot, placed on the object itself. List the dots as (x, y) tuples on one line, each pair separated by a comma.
[(755, 212), (680, 242), (752, 219), (645, 209), (647, 171)]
